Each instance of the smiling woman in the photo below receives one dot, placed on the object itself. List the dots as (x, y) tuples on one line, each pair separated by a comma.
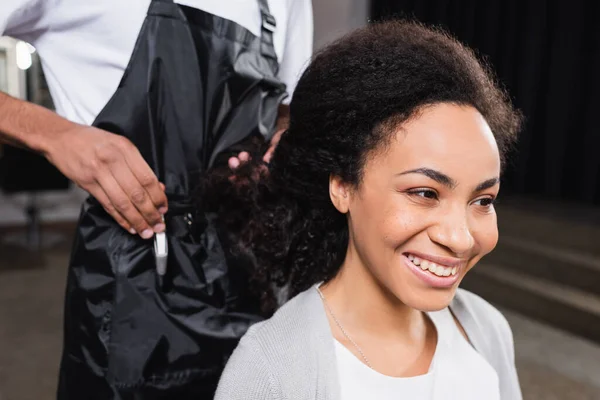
[(379, 200), (429, 198)]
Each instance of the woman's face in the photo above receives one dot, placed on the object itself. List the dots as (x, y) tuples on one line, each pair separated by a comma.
[(423, 214)]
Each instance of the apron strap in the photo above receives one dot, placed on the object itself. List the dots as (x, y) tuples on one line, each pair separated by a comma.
[(268, 26), (165, 8)]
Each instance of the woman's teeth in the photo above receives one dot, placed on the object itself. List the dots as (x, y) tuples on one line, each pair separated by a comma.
[(432, 267)]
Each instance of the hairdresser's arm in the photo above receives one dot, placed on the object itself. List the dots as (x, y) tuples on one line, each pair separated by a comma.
[(107, 166)]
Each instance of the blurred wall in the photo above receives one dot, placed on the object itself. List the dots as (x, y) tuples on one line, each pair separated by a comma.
[(334, 18)]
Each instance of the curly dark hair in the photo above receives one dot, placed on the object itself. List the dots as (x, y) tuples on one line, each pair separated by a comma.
[(348, 102)]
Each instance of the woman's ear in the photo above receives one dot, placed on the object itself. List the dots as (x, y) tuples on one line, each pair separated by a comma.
[(339, 192)]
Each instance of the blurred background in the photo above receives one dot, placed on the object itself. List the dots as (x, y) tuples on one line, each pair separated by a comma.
[(544, 274)]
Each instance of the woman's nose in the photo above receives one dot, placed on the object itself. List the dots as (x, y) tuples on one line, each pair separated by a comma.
[(454, 233)]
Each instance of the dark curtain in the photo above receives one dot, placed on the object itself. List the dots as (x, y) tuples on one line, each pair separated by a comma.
[(547, 55)]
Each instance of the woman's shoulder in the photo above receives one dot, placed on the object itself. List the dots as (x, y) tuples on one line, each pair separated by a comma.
[(476, 312), (291, 321), (490, 334), (274, 353)]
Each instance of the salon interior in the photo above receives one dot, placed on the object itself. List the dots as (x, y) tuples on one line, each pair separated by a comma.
[(544, 275)]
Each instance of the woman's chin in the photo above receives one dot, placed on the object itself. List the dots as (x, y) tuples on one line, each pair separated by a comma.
[(427, 299)]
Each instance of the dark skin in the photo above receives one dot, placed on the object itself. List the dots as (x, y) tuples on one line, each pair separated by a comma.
[(107, 166)]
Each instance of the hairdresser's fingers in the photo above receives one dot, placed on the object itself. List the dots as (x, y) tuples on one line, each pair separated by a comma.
[(123, 205), (99, 194), (244, 156), (235, 162), (273, 145), (144, 192), (259, 172)]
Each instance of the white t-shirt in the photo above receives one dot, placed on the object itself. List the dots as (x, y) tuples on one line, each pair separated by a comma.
[(85, 45), (457, 372)]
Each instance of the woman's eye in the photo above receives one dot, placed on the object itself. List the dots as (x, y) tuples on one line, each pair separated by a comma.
[(485, 202), (427, 194)]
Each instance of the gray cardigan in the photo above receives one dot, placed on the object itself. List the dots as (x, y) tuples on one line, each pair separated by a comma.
[(291, 356)]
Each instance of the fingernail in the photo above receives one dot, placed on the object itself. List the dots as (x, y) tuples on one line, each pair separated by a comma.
[(147, 234), (159, 228), (234, 163), (132, 231), (163, 210)]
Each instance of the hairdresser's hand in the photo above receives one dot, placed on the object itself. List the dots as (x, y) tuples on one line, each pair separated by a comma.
[(112, 170), (235, 162), (253, 175), (274, 142), (283, 122), (257, 172), (244, 156)]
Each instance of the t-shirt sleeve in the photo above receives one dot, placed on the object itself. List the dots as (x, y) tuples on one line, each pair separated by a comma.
[(23, 19), (298, 43)]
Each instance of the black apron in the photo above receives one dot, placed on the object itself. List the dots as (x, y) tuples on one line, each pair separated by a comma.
[(195, 86)]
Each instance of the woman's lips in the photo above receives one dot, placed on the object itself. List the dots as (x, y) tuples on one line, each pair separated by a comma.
[(440, 272)]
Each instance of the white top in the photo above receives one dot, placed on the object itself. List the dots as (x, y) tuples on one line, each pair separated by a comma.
[(457, 372), (85, 45)]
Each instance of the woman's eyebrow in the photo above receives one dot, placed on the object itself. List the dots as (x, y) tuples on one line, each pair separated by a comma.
[(450, 183), (437, 176)]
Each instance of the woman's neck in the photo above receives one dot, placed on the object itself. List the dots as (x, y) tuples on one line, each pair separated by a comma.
[(368, 309), (396, 339)]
